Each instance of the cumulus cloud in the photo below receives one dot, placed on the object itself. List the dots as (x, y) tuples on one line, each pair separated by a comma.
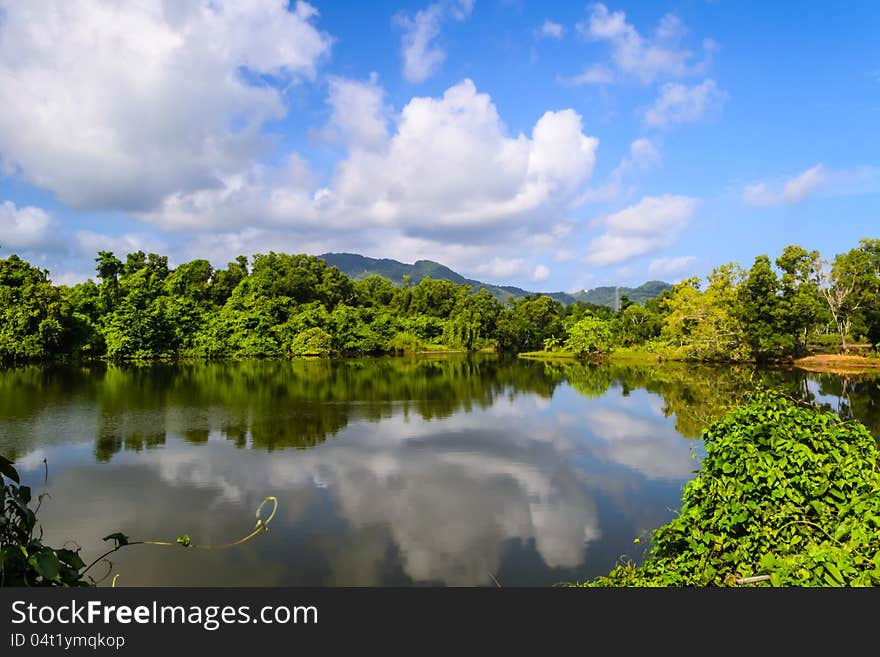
[(643, 156), (551, 30), (449, 172), (87, 243), (671, 265), (25, 228), (639, 57), (117, 105), (541, 273), (502, 267), (422, 56), (792, 191), (679, 103), (360, 117), (653, 223)]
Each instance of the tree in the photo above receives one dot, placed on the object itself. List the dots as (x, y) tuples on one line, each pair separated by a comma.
[(841, 285), (802, 308), (705, 325), (759, 312), (36, 321), (590, 337), (638, 324), (530, 321), (869, 290)]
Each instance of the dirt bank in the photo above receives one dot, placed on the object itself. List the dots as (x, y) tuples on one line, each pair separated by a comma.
[(838, 364)]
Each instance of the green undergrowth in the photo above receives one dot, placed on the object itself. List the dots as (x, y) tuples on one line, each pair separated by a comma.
[(786, 495)]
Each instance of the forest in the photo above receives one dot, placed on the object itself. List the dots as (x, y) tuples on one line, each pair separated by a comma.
[(280, 305)]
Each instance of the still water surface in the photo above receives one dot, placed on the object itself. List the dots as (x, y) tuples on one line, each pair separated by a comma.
[(391, 471)]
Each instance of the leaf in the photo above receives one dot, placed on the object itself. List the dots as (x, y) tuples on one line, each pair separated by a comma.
[(7, 470), (184, 540), (46, 563), (71, 558), (836, 577), (120, 538)]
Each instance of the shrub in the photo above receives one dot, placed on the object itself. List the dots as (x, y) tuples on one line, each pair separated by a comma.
[(312, 342), (786, 493), (24, 560), (591, 336)]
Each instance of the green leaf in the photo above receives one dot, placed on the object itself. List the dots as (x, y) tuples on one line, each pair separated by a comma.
[(46, 563), (184, 540), (7, 470), (834, 572), (71, 558)]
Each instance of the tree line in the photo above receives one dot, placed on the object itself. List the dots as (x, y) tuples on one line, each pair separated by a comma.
[(277, 305)]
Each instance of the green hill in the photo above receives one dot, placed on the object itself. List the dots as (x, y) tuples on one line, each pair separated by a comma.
[(605, 296), (359, 267)]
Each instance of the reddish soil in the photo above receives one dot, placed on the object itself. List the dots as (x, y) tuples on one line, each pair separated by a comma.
[(838, 364)]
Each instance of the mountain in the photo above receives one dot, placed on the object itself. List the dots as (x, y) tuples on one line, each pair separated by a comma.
[(359, 267), (606, 296)]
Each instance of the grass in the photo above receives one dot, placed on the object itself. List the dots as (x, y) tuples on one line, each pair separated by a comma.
[(547, 355), (624, 355)]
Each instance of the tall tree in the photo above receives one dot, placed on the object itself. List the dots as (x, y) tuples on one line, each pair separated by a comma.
[(759, 311)]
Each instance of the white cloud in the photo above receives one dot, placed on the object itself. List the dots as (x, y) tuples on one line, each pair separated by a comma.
[(551, 30), (594, 74), (679, 103), (656, 451), (118, 104), (643, 156), (449, 172), (653, 223), (502, 267), (793, 191), (87, 243), (360, 117), (25, 228), (422, 56), (541, 273), (671, 265), (637, 57)]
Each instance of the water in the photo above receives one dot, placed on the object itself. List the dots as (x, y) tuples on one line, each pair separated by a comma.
[(388, 472)]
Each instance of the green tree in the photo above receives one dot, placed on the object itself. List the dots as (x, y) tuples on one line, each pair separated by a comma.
[(36, 321), (590, 337), (802, 309), (760, 310), (705, 324)]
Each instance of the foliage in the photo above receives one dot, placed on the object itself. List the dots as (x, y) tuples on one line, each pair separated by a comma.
[(785, 493), (142, 308), (24, 559), (706, 323), (590, 337), (312, 342)]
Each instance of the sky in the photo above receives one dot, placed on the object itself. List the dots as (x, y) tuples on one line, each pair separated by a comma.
[(553, 145)]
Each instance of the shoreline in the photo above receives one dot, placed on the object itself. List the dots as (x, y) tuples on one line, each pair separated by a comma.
[(838, 364)]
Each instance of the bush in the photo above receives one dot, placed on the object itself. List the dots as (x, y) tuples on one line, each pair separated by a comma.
[(24, 560), (788, 494), (312, 342), (591, 336)]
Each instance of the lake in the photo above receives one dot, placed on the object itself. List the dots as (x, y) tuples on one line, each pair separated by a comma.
[(440, 470)]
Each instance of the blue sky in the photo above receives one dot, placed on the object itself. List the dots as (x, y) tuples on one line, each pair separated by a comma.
[(551, 145)]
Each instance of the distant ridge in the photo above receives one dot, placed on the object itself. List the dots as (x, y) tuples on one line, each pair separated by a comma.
[(359, 267), (605, 296)]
